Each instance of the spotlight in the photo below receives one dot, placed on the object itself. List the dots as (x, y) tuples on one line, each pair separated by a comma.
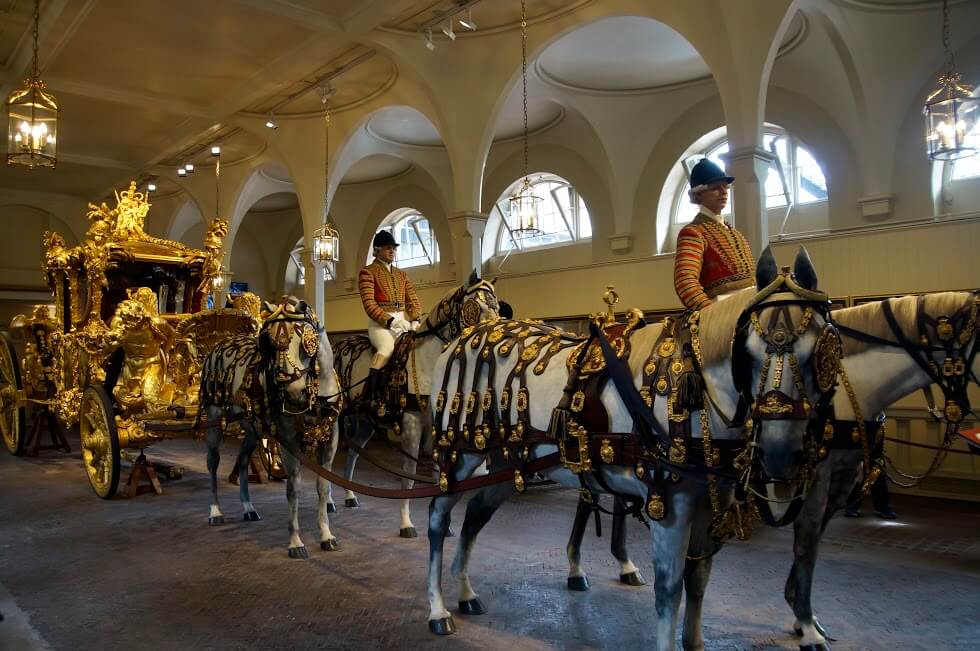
[(216, 151), (181, 172), (271, 124), (189, 167), (447, 29), (428, 40), (151, 187), (468, 21)]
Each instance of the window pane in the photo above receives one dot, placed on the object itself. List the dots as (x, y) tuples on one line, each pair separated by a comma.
[(412, 250), (966, 168), (775, 190), (584, 221), (812, 184)]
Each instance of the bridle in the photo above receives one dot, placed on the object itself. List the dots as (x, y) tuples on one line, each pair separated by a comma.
[(780, 335), (281, 327), (460, 311)]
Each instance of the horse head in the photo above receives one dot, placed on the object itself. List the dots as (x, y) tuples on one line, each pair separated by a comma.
[(291, 342), (785, 357), (466, 306)]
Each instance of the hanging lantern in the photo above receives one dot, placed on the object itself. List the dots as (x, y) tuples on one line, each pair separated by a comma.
[(32, 118), (951, 111), (326, 245), (523, 214), (221, 281)]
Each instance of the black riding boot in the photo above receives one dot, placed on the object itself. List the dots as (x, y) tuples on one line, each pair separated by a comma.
[(372, 387)]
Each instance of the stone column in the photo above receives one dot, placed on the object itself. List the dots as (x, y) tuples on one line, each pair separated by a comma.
[(750, 167), (314, 289), (467, 230)]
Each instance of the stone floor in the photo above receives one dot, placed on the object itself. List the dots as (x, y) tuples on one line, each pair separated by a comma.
[(77, 572)]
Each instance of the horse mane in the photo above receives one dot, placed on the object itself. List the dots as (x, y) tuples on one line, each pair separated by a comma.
[(443, 311), (870, 317), (717, 327)]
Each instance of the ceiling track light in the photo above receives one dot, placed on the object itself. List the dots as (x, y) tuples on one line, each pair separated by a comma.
[(181, 172), (271, 123), (215, 150), (151, 187), (189, 167), (468, 21), (447, 29), (428, 40)]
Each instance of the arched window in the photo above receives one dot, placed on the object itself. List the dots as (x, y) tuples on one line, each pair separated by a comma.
[(414, 234), (795, 177), (562, 215)]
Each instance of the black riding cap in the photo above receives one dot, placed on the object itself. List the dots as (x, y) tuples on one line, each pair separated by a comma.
[(384, 238)]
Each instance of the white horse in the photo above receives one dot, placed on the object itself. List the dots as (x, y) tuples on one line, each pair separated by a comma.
[(465, 306), (682, 538), (880, 372), (283, 378)]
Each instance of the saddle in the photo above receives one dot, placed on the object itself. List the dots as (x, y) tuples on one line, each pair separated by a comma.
[(396, 398)]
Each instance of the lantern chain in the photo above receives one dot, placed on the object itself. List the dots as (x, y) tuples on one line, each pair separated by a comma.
[(950, 61), (524, 81), (326, 158), (37, 19)]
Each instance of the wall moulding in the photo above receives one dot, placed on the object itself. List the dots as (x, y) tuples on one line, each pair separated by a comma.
[(876, 207)]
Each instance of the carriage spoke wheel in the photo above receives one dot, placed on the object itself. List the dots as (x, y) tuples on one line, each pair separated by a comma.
[(12, 414), (100, 441), (271, 458)]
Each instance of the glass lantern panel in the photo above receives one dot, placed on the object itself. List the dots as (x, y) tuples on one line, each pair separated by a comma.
[(32, 128)]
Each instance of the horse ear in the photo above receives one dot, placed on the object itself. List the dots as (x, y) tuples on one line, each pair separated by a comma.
[(766, 269), (803, 269), (494, 281), (301, 307), (474, 278)]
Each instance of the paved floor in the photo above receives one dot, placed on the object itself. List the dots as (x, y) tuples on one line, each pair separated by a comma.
[(77, 572)]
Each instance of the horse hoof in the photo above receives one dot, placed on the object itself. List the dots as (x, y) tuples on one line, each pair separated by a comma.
[(820, 646), (351, 503), (798, 631), (578, 583), (407, 532), (215, 520), (251, 516), (472, 607), (634, 579), (331, 508), (329, 545), (444, 626), (299, 552)]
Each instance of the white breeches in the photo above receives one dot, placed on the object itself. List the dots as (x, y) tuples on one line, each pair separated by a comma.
[(383, 340)]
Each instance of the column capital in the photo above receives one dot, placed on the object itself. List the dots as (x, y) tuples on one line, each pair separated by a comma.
[(467, 230), (467, 221), (742, 153)]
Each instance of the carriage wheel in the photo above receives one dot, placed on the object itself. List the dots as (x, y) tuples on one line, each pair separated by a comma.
[(12, 414), (271, 458), (100, 441)]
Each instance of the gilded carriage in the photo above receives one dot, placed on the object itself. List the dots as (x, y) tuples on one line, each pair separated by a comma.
[(120, 352)]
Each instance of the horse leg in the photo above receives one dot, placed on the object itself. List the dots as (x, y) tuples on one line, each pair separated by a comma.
[(577, 579), (628, 573), (440, 508), (670, 542), (359, 439), (249, 514), (325, 454), (296, 547), (479, 510), (410, 443), (697, 570), (831, 487), (213, 440)]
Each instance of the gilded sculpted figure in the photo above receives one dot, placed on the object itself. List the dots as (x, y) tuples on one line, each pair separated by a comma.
[(144, 336)]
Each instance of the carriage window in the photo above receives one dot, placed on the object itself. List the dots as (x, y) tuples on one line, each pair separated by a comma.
[(562, 215), (416, 239)]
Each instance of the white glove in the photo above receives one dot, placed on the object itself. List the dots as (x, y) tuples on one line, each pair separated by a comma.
[(399, 326), (416, 325)]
